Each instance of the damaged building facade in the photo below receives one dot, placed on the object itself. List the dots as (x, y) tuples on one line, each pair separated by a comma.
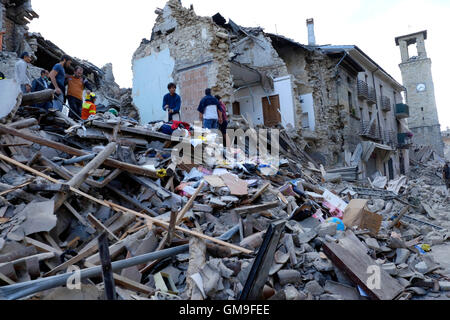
[(343, 107)]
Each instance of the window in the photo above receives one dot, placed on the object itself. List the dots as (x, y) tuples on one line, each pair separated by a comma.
[(367, 78), (350, 100)]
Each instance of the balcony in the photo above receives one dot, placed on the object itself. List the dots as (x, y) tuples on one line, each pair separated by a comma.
[(385, 104), (402, 111), (363, 90), (372, 98), (370, 130), (389, 138), (404, 141)]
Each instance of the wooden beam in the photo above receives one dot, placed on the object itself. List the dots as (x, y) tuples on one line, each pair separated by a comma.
[(257, 208), (258, 193), (29, 99), (72, 261), (42, 247), (99, 225), (189, 204), (80, 177), (119, 208), (76, 152)]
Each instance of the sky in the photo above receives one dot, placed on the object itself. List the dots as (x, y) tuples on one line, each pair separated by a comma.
[(104, 31)]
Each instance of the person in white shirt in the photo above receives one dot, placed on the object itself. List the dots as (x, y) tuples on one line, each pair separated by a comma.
[(21, 72), (209, 109)]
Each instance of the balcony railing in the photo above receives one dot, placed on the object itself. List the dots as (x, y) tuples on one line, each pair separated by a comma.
[(370, 130), (402, 111), (385, 104), (372, 98), (363, 90), (404, 141)]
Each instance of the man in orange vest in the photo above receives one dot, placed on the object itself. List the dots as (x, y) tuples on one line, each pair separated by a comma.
[(89, 108), (76, 85)]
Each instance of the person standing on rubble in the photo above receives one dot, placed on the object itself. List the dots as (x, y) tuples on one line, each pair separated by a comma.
[(41, 84), (76, 85), (172, 103), (58, 77), (209, 109), (446, 175), (21, 72), (223, 123)]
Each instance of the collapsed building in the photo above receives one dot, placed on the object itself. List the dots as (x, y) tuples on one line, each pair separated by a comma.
[(344, 109), (14, 17)]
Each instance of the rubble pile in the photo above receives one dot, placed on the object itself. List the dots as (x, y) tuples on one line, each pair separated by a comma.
[(220, 229)]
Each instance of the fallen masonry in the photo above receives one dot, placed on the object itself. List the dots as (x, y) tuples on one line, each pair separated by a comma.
[(228, 207)]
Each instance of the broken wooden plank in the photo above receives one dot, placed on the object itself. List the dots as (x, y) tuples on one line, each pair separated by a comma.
[(350, 255), (107, 272), (189, 204), (76, 152), (98, 225), (76, 214), (257, 208), (42, 247), (73, 261), (257, 278), (119, 208), (258, 193), (80, 177)]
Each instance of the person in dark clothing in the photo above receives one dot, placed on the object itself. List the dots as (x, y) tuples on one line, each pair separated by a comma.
[(172, 103), (209, 109), (58, 77), (2, 76), (41, 84), (223, 123), (446, 175)]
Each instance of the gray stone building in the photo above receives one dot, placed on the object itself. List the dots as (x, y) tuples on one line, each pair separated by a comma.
[(14, 17), (342, 105), (418, 80)]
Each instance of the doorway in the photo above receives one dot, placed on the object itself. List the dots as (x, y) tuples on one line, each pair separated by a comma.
[(271, 111)]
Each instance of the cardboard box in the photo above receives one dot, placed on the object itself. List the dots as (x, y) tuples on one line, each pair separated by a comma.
[(357, 214)]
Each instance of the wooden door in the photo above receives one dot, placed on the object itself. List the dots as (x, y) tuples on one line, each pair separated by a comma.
[(236, 108), (271, 111)]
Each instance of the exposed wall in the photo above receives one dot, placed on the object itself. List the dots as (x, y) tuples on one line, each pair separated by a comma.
[(200, 52), (250, 100), (151, 74)]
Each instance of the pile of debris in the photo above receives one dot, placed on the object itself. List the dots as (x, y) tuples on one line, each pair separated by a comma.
[(108, 197)]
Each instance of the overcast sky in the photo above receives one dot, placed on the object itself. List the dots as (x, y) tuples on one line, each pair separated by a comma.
[(103, 31)]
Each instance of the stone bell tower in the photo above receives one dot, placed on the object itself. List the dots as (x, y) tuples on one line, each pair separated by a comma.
[(418, 80)]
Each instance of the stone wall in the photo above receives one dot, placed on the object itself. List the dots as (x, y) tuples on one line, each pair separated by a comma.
[(200, 50), (424, 119)]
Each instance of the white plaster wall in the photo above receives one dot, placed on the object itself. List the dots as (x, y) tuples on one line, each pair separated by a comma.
[(252, 108), (9, 90), (151, 75), (307, 102), (283, 87)]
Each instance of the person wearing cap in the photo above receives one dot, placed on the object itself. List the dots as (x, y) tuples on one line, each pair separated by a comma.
[(21, 73), (76, 85), (89, 108), (446, 175)]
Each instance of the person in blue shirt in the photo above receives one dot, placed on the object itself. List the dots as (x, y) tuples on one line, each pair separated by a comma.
[(210, 111), (172, 103), (58, 76)]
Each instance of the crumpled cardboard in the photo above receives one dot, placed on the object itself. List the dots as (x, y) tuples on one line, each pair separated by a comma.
[(357, 214)]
